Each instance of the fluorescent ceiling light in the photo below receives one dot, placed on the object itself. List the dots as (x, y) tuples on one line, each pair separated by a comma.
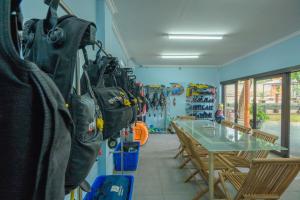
[(194, 37), (179, 56)]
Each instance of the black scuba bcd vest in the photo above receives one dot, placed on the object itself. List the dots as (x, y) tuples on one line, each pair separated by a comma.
[(53, 44), (35, 123)]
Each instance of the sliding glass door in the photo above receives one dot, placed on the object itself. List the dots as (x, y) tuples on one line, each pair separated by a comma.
[(270, 103), (268, 106), (245, 102), (229, 102), (295, 114)]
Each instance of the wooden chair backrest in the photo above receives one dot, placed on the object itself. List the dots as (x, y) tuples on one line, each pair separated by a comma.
[(269, 178), (186, 117), (227, 123), (263, 153), (178, 133), (187, 142), (264, 135), (191, 149), (241, 128)]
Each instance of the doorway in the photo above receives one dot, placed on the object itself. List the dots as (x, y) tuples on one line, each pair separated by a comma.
[(229, 102), (295, 114), (268, 105)]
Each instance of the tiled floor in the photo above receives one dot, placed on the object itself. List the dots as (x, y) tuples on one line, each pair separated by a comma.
[(158, 176)]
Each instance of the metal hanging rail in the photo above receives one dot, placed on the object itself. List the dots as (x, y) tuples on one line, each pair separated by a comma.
[(67, 9)]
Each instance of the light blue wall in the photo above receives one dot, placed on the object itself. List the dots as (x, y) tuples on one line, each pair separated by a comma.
[(37, 9), (183, 75), (112, 46), (282, 55)]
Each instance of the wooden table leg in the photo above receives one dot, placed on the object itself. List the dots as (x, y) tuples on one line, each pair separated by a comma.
[(211, 175)]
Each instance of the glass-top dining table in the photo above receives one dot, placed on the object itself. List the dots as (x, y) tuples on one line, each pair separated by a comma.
[(217, 138)]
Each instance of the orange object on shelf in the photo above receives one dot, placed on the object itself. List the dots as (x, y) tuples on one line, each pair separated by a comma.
[(140, 132)]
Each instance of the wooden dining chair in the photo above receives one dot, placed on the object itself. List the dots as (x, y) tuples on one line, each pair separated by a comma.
[(184, 117), (181, 147), (202, 152), (266, 137), (186, 154), (227, 123), (241, 128), (201, 165), (235, 126), (266, 179), (244, 158)]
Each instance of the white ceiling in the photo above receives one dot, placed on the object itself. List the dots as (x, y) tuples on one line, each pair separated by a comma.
[(246, 24)]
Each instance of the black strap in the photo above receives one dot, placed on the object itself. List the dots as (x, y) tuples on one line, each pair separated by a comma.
[(8, 30), (114, 80), (104, 62), (87, 80), (98, 55), (51, 19), (86, 76)]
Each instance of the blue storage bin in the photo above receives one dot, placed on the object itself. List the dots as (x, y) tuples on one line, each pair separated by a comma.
[(130, 159), (98, 183)]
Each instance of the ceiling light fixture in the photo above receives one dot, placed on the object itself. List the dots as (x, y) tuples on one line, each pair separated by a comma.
[(179, 56), (194, 37)]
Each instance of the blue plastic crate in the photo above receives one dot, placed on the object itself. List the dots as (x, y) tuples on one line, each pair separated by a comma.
[(130, 159), (99, 181)]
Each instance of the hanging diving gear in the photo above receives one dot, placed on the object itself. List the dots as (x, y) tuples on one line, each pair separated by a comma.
[(53, 46)]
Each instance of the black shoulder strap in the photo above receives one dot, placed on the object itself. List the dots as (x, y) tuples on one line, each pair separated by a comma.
[(86, 76), (51, 19), (103, 63), (56, 52), (28, 35), (88, 82), (9, 26)]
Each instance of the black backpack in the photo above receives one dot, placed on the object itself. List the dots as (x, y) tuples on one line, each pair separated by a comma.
[(35, 123), (120, 78), (114, 103), (60, 45), (53, 46)]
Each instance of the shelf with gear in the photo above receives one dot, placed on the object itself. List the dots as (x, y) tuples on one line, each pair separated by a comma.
[(158, 101), (200, 101)]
